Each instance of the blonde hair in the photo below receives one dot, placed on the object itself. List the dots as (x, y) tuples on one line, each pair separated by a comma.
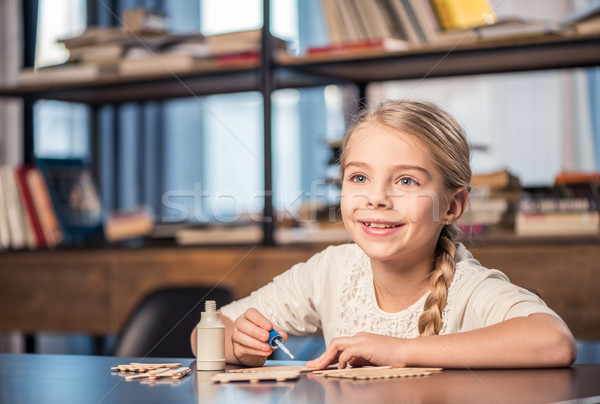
[(447, 142)]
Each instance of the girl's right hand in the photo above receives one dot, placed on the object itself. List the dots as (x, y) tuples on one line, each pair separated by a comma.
[(250, 338)]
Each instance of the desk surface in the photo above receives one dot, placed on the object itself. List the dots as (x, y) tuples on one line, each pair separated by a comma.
[(87, 379)]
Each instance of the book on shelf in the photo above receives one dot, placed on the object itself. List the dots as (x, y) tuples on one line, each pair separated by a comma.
[(213, 51), (558, 224), (406, 20), (333, 21), (516, 27), (492, 201), (4, 227), (413, 21), (373, 18), (220, 234), (238, 42), (361, 20), (577, 177), (14, 212), (75, 198), (463, 14), (27, 217), (129, 223), (501, 179), (101, 54), (312, 234), (140, 20), (43, 207), (361, 46), (66, 73), (585, 20), (32, 221), (546, 211), (93, 35), (162, 63)]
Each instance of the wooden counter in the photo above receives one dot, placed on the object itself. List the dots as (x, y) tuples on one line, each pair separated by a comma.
[(94, 290)]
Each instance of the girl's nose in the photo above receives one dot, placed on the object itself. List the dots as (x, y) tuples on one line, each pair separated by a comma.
[(379, 197)]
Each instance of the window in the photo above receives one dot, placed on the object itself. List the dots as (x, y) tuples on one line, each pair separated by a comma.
[(60, 129)]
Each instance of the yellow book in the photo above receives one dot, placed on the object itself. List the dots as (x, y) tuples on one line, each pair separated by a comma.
[(463, 14)]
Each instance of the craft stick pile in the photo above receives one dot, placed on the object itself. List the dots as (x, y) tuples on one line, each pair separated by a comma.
[(152, 371), (281, 373)]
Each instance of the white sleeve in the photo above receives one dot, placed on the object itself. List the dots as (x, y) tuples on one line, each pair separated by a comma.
[(291, 300), (493, 299)]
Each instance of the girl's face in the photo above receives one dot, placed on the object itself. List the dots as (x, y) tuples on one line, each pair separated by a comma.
[(393, 202)]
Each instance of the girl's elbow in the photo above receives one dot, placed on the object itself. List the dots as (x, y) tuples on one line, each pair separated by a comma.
[(564, 350), (568, 352)]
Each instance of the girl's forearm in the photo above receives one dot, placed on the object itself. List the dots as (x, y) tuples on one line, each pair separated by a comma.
[(539, 340)]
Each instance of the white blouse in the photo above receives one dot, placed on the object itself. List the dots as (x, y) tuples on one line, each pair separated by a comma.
[(334, 291)]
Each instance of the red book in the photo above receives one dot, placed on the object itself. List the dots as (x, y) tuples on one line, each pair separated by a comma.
[(577, 177), (378, 44), (238, 58), (43, 206), (30, 211)]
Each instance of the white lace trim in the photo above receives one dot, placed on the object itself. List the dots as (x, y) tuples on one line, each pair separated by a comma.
[(358, 309)]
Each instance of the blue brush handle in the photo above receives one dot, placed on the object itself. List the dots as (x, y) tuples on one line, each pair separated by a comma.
[(274, 335)]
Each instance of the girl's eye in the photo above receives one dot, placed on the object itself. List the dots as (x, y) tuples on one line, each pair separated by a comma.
[(358, 178), (407, 181)]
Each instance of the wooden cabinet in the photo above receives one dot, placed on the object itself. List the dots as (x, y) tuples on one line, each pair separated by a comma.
[(94, 290)]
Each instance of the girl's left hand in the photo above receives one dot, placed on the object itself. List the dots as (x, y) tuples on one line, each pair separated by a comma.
[(362, 349)]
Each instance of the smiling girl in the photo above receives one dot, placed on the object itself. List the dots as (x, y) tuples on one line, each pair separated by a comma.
[(405, 293)]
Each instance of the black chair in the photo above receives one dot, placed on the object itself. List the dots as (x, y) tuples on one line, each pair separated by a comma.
[(161, 324)]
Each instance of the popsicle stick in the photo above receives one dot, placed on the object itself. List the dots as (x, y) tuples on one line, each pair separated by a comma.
[(279, 368), (146, 374), (143, 367), (333, 371), (379, 373), (255, 377)]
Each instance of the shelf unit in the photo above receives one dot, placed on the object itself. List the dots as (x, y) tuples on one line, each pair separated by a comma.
[(535, 53), (358, 69), (111, 282)]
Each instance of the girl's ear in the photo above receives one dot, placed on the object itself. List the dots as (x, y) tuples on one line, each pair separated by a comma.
[(457, 204)]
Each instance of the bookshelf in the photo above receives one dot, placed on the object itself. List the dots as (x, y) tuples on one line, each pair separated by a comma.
[(93, 289), (484, 57)]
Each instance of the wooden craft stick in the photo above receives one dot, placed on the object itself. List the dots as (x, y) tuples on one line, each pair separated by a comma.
[(379, 373), (146, 374), (143, 367), (280, 368), (370, 368), (177, 373), (162, 365), (254, 377)]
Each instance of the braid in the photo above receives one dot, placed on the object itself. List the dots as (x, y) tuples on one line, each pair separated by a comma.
[(430, 321)]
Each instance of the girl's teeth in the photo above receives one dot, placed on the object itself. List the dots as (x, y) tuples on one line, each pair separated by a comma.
[(379, 225)]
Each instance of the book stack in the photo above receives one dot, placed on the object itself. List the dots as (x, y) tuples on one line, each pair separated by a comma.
[(586, 20), (27, 216), (192, 52), (492, 201), (392, 25), (141, 47), (129, 223), (569, 207), (220, 234)]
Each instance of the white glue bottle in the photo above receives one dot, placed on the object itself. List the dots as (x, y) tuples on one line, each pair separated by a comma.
[(210, 339)]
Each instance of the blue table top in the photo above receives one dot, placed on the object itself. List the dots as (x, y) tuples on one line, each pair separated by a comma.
[(37, 378)]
